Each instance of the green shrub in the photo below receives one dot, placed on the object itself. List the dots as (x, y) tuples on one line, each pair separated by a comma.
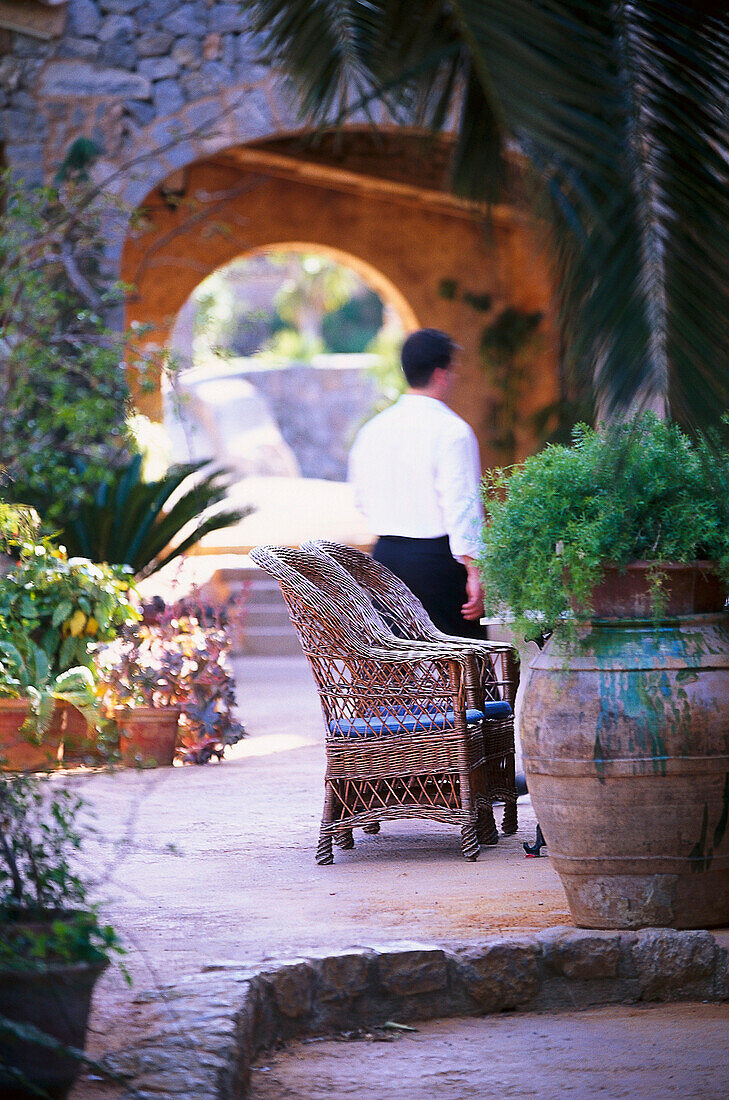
[(63, 387), (64, 605), (641, 490)]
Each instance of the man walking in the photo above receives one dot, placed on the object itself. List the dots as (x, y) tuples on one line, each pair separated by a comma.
[(416, 475)]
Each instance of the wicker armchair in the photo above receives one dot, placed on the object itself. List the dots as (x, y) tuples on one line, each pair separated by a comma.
[(400, 738), (494, 670)]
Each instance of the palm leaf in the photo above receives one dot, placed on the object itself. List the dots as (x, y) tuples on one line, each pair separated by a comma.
[(216, 522), (621, 110), (131, 521)]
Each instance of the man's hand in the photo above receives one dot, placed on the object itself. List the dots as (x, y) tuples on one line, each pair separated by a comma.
[(473, 607)]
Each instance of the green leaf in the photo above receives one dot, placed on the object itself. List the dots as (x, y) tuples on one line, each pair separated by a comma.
[(617, 115), (67, 652), (62, 612)]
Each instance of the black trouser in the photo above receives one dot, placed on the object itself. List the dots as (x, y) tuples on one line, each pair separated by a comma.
[(430, 571)]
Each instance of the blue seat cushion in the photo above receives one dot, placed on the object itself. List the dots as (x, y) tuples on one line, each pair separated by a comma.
[(419, 718)]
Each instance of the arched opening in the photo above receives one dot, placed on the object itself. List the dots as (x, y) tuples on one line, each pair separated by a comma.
[(280, 355), (415, 244)]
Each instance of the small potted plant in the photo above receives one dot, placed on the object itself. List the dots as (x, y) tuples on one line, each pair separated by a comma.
[(139, 675), (31, 734), (619, 546), (205, 686), (66, 606), (173, 663), (53, 946)]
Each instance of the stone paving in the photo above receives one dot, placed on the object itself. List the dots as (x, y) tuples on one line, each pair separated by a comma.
[(209, 876), (545, 1056)]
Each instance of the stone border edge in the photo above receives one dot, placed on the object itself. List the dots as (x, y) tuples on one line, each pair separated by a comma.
[(228, 1015)]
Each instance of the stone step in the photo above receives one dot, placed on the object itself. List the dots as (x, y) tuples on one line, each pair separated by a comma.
[(261, 641), (267, 614), (264, 628), (259, 588)]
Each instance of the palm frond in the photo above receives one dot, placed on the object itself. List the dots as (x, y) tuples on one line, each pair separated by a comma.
[(324, 45), (145, 524), (623, 106)]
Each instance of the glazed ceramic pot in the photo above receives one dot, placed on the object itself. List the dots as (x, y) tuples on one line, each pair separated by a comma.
[(625, 736)]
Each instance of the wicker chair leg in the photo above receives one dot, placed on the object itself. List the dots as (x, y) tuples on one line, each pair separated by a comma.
[(486, 828), (344, 840), (469, 842), (372, 829), (509, 822), (324, 854)]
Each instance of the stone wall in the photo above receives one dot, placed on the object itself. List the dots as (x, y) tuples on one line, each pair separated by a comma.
[(115, 68), (318, 411)]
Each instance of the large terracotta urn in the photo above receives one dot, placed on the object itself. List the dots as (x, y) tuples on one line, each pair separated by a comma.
[(625, 734)]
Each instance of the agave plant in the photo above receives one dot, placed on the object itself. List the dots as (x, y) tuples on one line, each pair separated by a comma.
[(146, 524), (617, 107)]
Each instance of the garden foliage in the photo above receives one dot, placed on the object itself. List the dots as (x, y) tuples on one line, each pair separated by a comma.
[(63, 389), (40, 838), (143, 524), (641, 490), (63, 605)]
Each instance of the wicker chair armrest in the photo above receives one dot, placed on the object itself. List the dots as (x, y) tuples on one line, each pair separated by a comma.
[(403, 652)]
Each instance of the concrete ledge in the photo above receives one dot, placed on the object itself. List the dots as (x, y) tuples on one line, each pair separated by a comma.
[(227, 1016)]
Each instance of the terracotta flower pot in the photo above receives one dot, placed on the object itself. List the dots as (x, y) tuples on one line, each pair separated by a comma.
[(82, 743), (627, 758), (687, 588), (147, 735), (19, 750)]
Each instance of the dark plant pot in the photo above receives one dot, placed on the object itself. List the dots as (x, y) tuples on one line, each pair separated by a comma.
[(627, 762), (20, 751), (147, 735), (56, 1000)]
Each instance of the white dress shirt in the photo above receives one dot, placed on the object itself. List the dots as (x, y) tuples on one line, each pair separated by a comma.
[(416, 473)]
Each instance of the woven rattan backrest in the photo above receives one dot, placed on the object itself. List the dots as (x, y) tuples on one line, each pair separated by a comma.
[(327, 608), (335, 623), (403, 609), (399, 605), (334, 582)]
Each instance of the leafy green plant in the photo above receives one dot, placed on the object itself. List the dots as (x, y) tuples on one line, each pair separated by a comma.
[(642, 490), (44, 911), (18, 524), (49, 936), (287, 345), (144, 524), (63, 388), (25, 673), (64, 605)]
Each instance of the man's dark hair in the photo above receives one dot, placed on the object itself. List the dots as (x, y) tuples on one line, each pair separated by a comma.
[(423, 352)]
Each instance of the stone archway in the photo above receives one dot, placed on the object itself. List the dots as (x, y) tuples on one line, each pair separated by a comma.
[(428, 250), (164, 88), (284, 418)]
